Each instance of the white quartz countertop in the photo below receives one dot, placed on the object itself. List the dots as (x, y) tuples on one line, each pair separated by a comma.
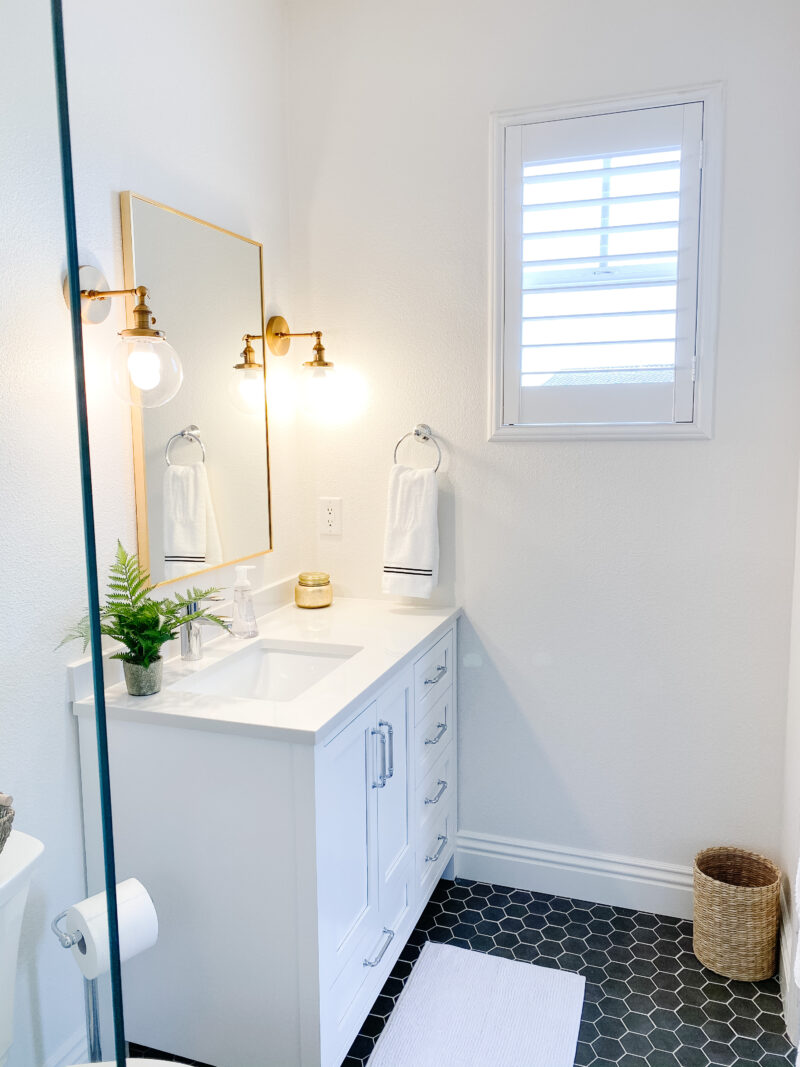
[(386, 635)]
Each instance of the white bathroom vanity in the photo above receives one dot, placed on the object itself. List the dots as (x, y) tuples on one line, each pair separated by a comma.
[(290, 804)]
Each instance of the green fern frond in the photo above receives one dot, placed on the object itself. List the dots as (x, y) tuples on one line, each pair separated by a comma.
[(127, 580), (81, 631)]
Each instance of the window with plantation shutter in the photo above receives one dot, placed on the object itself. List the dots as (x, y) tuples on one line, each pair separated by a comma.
[(599, 286)]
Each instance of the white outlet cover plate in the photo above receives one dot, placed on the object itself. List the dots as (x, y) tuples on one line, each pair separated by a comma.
[(330, 516)]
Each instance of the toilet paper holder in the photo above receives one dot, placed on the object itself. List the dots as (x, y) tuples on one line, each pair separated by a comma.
[(76, 940), (67, 940)]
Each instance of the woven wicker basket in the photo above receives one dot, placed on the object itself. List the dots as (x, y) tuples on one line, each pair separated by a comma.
[(736, 913), (6, 819)]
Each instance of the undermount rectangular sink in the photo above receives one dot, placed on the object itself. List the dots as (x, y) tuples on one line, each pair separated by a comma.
[(268, 670)]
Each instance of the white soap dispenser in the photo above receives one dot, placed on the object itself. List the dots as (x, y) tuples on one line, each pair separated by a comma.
[(244, 616)]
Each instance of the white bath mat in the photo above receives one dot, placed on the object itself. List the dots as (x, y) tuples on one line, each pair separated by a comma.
[(466, 1009)]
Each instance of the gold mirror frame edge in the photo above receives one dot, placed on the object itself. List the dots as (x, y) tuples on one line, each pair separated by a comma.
[(137, 425)]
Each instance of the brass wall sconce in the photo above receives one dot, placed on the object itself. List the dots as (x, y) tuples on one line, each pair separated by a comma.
[(146, 370), (279, 339)]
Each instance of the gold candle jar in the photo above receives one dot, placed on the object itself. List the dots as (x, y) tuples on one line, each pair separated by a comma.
[(313, 590)]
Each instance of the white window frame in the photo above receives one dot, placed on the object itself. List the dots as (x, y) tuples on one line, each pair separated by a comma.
[(701, 426)]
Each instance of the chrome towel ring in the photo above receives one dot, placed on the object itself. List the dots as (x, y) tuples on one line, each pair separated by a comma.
[(422, 433), (188, 433)]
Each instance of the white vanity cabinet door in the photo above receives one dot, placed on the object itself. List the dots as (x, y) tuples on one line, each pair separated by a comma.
[(395, 847), (347, 846)]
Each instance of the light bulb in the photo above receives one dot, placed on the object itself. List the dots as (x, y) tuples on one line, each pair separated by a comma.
[(145, 371), (246, 390), (144, 366)]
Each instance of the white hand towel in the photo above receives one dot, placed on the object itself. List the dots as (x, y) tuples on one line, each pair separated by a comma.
[(411, 545), (191, 537)]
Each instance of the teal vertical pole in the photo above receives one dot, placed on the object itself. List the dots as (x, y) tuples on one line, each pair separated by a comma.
[(68, 190)]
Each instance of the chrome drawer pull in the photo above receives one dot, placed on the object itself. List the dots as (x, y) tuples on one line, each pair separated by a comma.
[(442, 790), (442, 727), (441, 671), (389, 934), (390, 732), (439, 850), (381, 783)]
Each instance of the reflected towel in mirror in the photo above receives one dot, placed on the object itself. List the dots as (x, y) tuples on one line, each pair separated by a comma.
[(191, 537), (411, 545)]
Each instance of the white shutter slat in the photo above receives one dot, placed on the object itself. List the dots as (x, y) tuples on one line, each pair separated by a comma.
[(600, 201), (600, 285), (603, 172), (601, 231), (623, 257), (599, 315)]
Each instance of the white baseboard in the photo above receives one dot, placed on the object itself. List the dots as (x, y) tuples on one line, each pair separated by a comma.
[(623, 881), (789, 991), (73, 1050)]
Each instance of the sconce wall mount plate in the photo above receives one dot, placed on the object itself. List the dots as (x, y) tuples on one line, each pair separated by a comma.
[(277, 335), (93, 312)]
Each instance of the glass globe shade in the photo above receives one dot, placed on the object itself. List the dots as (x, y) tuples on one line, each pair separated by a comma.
[(317, 382), (246, 390), (146, 372)]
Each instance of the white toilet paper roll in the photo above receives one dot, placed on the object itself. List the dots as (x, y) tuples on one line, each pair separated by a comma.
[(138, 927)]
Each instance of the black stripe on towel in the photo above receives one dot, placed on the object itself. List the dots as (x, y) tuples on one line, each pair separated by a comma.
[(408, 570), (184, 559)]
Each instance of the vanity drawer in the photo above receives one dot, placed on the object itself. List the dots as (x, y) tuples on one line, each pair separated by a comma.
[(436, 843), (436, 793), (434, 733), (432, 672)]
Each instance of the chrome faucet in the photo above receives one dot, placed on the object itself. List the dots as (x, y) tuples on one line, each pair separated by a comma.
[(192, 632)]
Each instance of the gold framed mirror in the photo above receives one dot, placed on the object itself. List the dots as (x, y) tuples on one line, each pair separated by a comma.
[(201, 460)]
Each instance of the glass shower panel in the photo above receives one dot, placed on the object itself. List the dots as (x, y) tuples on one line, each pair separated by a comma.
[(56, 832)]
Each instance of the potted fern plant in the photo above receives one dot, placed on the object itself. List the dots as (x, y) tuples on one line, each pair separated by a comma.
[(140, 622)]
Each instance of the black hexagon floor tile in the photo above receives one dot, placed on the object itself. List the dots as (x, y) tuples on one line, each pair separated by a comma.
[(649, 1002)]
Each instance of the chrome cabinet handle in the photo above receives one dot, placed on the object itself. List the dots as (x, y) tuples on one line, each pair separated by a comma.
[(442, 790), (442, 727), (390, 732), (439, 850), (388, 934), (381, 783), (441, 671)]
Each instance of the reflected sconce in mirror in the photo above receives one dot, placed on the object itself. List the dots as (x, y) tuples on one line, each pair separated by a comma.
[(146, 370), (246, 388)]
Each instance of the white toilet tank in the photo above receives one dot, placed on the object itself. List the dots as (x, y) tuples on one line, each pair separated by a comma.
[(16, 864)]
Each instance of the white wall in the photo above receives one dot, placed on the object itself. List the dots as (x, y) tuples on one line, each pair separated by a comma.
[(41, 563), (628, 603), (197, 123)]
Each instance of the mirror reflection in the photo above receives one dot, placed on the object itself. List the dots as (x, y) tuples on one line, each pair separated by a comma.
[(201, 459)]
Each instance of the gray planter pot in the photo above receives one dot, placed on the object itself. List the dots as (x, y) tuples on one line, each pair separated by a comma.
[(143, 681)]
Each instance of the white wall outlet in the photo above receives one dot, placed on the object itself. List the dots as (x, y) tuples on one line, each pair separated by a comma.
[(330, 515)]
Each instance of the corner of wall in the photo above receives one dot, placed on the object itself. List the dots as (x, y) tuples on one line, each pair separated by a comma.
[(790, 994)]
